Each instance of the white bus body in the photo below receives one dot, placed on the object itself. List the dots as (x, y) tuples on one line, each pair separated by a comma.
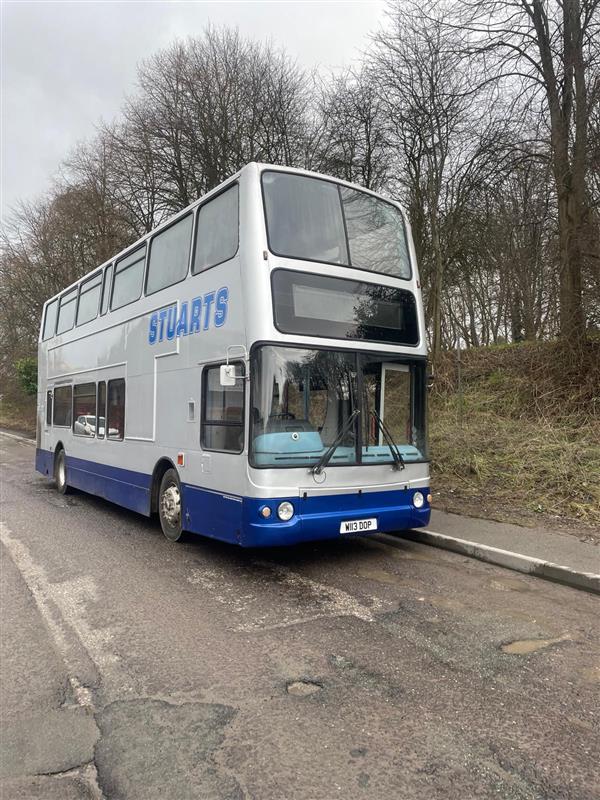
[(314, 429)]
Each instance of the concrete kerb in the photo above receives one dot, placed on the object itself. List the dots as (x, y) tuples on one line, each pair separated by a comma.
[(587, 581), (18, 437)]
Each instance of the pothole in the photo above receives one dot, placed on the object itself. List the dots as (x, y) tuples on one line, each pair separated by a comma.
[(303, 688), (522, 647)]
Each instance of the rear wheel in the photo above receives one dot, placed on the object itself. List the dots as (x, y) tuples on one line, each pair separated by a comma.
[(60, 472), (169, 505)]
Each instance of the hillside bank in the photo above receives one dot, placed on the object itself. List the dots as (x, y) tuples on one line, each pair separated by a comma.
[(515, 434)]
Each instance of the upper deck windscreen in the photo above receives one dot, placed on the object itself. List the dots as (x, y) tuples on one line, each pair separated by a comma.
[(318, 220)]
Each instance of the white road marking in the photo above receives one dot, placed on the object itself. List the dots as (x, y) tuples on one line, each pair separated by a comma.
[(63, 606)]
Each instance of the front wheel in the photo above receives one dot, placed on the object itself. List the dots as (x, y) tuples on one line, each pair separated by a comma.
[(169, 505), (60, 472)]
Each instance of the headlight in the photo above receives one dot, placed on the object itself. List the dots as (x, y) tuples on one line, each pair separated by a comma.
[(418, 500), (285, 511)]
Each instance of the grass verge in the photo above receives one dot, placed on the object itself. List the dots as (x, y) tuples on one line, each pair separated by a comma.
[(513, 442), (18, 416)]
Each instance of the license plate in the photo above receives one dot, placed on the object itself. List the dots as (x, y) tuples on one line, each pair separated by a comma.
[(358, 525)]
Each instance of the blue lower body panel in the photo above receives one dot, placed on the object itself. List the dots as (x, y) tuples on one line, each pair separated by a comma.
[(44, 462), (121, 486), (212, 513), (321, 517), (236, 519)]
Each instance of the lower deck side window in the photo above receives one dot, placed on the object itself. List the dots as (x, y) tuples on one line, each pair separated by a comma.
[(223, 412), (63, 397), (101, 411), (116, 409), (84, 409)]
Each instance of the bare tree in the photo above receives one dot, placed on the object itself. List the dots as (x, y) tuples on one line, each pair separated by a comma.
[(46, 246), (553, 48), (484, 117), (426, 94), (353, 144), (203, 109)]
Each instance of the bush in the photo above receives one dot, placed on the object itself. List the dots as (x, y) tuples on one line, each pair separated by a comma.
[(26, 369)]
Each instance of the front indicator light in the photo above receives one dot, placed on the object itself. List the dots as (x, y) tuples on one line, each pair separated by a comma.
[(265, 512), (418, 500), (285, 511)]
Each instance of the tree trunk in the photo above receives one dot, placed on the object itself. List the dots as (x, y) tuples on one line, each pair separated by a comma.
[(570, 219), (437, 290), (567, 101)]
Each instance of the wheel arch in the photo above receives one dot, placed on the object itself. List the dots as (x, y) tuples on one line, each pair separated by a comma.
[(161, 466), (59, 446)]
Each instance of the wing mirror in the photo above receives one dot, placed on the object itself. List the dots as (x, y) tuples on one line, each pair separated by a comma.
[(227, 375)]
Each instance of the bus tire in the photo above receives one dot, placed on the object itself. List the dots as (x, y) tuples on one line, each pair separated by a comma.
[(60, 472), (169, 506)]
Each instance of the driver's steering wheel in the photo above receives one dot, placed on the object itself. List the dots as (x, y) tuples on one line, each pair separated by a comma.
[(283, 415)]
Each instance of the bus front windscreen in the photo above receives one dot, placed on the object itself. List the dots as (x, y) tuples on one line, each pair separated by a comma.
[(319, 220), (370, 408)]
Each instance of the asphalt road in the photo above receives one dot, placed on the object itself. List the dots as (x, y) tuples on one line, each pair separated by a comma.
[(136, 668)]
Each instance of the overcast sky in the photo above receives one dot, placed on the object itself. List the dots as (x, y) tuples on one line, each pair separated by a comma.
[(65, 65)]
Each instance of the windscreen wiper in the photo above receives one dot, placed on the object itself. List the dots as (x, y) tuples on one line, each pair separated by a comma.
[(324, 460), (396, 454)]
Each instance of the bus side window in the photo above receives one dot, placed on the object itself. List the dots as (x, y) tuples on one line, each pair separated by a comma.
[(89, 299), (222, 412), (169, 255), (101, 418), (63, 406), (84, 409), (48, 408), (50, 320), (106, 289), (66, 311), (129, 276), (115, 411), (217, 231)]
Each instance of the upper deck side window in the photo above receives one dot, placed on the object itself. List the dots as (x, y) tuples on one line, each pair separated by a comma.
[(217, 231), (106, 289), (169, 255), (318, 220), (89, 299), (66, 311), (129, 276), (121, 282), (50, 320)]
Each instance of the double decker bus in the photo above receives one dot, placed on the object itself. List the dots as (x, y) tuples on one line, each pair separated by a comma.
[(252, 370)]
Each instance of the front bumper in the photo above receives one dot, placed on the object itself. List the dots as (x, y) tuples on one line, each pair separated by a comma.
[(320, 517)]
